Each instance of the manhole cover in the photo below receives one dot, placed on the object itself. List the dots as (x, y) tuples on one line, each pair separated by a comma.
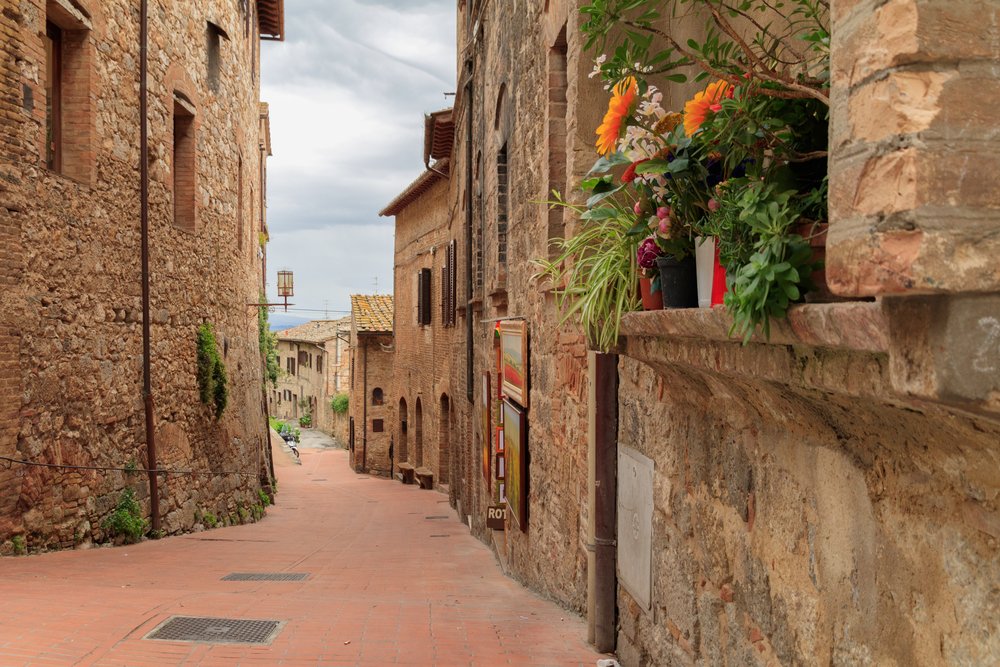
[(443, 516), (266, 576), (215, 630)]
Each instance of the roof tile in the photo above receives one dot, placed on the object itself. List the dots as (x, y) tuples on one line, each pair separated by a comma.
[(372, 313)]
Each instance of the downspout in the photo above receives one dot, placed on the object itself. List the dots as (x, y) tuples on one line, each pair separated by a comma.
[(469, 368), (147, 384), (602, 464)]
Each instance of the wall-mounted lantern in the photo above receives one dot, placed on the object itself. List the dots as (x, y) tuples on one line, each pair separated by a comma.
[(285, 286)]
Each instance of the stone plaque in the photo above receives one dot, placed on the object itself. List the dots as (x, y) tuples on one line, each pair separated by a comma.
[(635, 524)]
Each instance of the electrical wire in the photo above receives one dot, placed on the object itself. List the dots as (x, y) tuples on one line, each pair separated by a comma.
[(160, 471)]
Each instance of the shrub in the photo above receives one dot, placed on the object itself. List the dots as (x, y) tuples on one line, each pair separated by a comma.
[(265, 499), (127, 520), (339, 403), (209, 520), (212, 382), (306, 420), (20, 546), (268, 344)]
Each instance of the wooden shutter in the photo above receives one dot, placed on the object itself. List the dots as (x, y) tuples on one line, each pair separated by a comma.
[(452, 284), (424, 297)]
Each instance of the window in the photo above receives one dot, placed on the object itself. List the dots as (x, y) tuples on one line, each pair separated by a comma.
[(70, 129), (214, 48), (319, 363), (304, 359), (53, 96), (449, 300), (502, 213), (377, 398), (184, 163), (378, 426), (424, 297), (290, 365)]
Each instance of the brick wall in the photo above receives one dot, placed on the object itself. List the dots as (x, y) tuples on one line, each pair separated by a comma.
[(373, 367), (74, 237)]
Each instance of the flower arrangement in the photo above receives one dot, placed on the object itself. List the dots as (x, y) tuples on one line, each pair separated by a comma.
[(745, 162)]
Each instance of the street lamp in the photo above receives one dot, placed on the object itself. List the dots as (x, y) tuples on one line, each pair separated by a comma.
[(285, 286)]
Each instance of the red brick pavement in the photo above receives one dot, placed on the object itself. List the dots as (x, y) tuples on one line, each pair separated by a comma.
[(381, 591)]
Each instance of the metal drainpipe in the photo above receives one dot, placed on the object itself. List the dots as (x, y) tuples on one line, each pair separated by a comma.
[(147, 384), (602, 584), (469, 368)]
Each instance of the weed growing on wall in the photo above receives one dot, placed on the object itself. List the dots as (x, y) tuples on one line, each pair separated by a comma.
[(268, 345), (339, 403), (127, 520), (212, 381)]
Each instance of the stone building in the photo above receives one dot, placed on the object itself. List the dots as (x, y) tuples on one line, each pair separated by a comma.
[(71, 334), (826, 496), (305, 368), (371, 402), (425, 312)]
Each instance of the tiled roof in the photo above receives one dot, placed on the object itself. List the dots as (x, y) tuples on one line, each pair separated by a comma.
[(372, 313), (317, 331)]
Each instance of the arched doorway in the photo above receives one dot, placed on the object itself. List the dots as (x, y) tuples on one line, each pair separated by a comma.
[(418, 435), (402, 453), (444, 440)]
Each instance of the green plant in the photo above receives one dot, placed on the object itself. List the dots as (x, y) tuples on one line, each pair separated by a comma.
[(265, 499), (212, 381), (594, 272), (244, 514), (127, 520), (131, 467), (268, 343), (305, 421), (209, 520), (340, 403), (20, 546)]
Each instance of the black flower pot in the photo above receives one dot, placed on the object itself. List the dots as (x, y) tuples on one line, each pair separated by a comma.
[(678, 281)]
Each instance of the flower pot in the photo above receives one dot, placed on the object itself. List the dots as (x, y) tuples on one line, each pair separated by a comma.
[(704, 257), (678, 282), (650, 300)]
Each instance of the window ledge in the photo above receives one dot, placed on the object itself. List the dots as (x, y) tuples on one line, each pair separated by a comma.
[(857, 326)]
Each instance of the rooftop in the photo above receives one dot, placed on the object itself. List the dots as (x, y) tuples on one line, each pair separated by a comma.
[(372, 313), (317, 331)]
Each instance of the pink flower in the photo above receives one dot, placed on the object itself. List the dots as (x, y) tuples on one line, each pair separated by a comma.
[(665, 227), (663, 212), (713, 205), (637, 208)]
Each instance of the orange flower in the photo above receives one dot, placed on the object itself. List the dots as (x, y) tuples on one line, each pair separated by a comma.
[(707, 100), (619, 108)]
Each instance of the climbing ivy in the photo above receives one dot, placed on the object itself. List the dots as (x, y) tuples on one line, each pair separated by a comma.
[(268, 345), (212, 381)]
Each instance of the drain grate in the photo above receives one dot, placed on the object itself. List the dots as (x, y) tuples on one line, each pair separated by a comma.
[(441, 516), (440, 535), (216, 630), (266, 576)]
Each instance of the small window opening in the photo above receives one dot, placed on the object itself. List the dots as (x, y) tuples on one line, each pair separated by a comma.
[(185, 158), (377, 398)]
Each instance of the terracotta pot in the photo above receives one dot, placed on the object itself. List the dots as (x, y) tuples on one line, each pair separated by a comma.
[(650, 301)]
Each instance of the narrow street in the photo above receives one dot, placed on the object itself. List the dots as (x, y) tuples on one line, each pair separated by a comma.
[(393, 578)]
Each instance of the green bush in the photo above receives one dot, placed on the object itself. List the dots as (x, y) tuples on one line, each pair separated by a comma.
[(209, 520), (339, 403), (20, 546), (268, 345), (212, 381), (265, 499), (127, 519), (306, 420)]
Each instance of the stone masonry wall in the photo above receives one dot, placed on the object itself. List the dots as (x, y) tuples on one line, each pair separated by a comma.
[(423, 363), (77, 305)]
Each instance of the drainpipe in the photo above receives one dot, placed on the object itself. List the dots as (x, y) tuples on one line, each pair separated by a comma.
[(147, 384), (469, 373), (602, 464)]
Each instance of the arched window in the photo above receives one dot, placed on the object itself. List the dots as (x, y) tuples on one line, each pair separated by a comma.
[(377, 397)]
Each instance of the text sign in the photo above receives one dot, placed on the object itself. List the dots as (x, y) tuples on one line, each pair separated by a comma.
[(495, 516)]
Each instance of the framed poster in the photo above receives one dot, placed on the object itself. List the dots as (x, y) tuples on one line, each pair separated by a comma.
[(515, 428), (514, 351), (487, 426)]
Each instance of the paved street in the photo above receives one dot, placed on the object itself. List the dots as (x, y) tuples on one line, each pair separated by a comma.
[(394, 578)]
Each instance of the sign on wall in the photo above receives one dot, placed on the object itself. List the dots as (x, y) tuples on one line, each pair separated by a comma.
[(635, 524)]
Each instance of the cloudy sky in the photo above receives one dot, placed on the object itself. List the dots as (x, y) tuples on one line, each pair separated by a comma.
[(348, 89)]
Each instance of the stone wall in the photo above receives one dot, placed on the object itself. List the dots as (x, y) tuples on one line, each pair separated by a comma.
[(71, 332), (423, 364)]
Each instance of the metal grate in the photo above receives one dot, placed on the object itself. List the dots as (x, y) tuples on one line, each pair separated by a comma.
[(266, 576), (216, 630)]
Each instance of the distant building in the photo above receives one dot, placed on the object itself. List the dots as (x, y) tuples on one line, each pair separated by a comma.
[(425, 304), (371, 413), (304, 377)]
